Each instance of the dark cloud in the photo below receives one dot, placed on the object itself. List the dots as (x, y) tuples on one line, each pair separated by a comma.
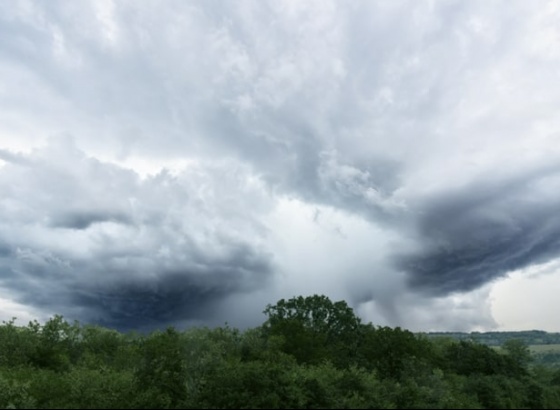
[(83, 220), (475, 234), (172, 297), (165, 249), (141, 299)]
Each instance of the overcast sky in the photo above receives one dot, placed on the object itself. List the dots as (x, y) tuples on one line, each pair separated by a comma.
[(187, 162)]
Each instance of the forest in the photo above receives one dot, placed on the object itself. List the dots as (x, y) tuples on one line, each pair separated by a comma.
[(310, 352)]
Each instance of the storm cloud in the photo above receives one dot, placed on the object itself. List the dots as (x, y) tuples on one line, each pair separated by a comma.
[(123, 251), (475, 234), (190, 163)]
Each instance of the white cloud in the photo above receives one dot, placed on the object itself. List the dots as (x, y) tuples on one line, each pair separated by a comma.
[(528, 299)]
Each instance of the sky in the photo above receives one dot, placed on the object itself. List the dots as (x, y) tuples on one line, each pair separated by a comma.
[(189, 162)]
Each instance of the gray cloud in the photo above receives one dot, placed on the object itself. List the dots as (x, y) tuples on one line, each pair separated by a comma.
[(477, 233), (84, 219), (8, 156), (164, 250), (408, 117), (136, 297)]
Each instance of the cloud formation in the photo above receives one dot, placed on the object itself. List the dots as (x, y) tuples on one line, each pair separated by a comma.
[(486, 229), (93, 240), (152, 157)]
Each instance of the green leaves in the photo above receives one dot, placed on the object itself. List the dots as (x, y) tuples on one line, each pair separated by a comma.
[(316, 313), (314, 329), (15, 394), (162, 371), (518, 351), (310, 353), (393, 352)]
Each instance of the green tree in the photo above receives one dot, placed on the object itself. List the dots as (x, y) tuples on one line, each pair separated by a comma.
[(17, 344), (257, 384), (314, 329), (100, 346), (518, 350), (393, 352), (58, 344), (161, 376), (15, 395), (467, 358)]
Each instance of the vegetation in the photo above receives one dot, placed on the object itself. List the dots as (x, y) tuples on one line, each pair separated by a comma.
[(529, 337), (544, 347), (309, 353)]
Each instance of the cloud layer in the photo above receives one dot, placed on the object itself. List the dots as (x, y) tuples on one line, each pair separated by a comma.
[(486, 229), (92, 239), (152, 157)]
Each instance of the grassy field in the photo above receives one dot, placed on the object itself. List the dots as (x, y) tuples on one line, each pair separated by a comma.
[(546, 355), (554, 348), (538, 349)]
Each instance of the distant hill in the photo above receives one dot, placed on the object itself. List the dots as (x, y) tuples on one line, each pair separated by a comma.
[(530, 337)]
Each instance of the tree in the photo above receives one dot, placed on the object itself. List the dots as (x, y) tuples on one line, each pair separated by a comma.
[(393, 353), (162, 373), (518, 350), (313, 328), (58, 344), (17, 344), (15, 395)]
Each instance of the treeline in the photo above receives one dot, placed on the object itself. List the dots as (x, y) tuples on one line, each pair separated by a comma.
[(529, 337), (309, 353), (544, 346)]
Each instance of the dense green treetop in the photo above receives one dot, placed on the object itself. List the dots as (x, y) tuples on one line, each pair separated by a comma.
[(309, 353)]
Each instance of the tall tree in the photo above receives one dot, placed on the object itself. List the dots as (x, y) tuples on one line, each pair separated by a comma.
[(314, 328)]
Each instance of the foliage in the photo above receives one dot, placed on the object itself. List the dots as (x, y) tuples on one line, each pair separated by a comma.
[(162, 371), (14, 394), (314, 329), (393, 353), (518, 351), (309, 353)]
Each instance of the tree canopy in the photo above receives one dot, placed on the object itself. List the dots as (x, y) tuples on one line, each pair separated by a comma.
[(309, 353)]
